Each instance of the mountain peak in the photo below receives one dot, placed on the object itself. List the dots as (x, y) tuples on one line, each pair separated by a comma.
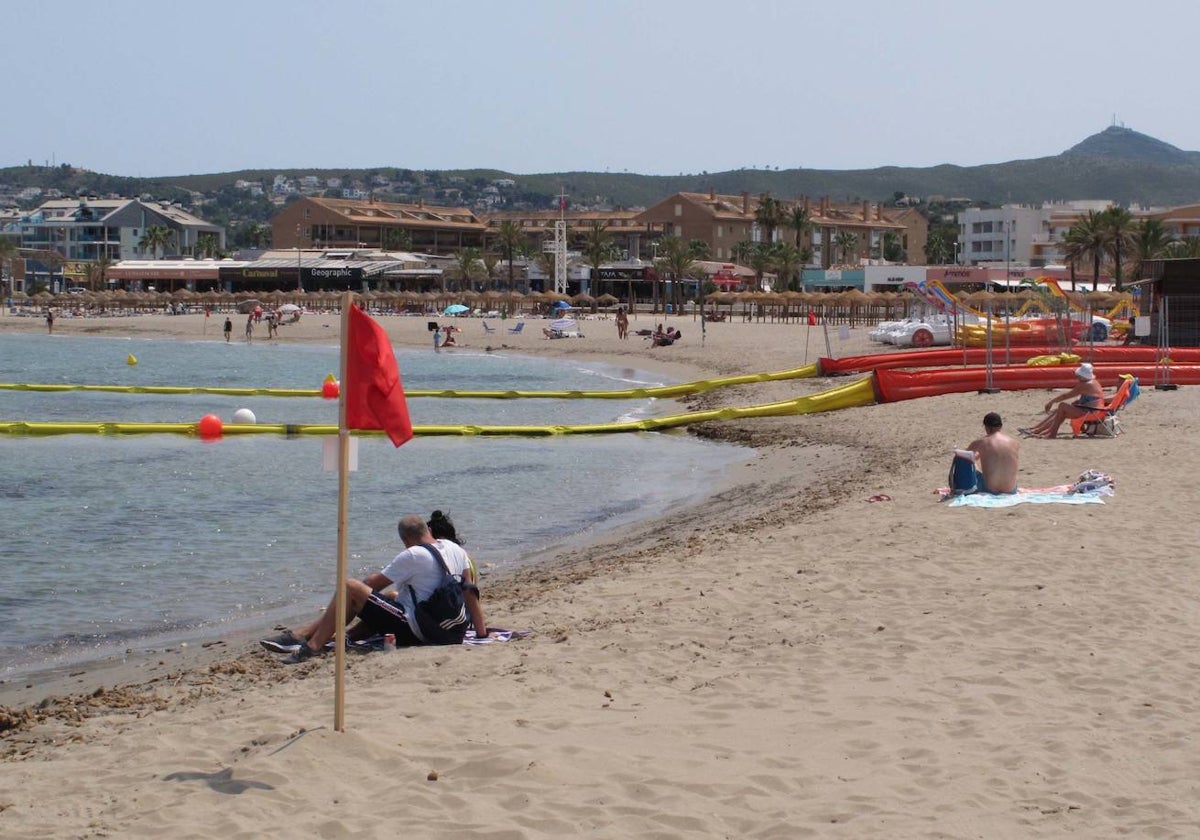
[(1119, 143)]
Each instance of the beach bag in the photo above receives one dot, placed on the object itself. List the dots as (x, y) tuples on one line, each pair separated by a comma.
[(963, 478), (442, 617)]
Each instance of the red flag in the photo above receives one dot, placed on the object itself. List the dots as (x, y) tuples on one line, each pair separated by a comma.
[(372, 390)]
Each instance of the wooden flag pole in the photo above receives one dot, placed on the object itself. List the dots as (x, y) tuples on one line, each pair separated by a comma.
[(339, 601)]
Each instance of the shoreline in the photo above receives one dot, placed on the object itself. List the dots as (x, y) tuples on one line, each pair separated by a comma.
[(787, 658), (147, 664)]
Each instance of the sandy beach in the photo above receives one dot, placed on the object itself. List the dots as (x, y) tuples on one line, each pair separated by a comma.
[(787, 659)]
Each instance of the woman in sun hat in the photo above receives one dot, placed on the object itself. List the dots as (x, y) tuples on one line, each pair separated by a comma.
[(1087, 395)]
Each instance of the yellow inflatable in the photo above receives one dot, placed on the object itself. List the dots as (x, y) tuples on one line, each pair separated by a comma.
[(1058, 359)]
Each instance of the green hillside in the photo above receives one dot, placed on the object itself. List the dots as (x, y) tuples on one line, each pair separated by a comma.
[(1117, 163)]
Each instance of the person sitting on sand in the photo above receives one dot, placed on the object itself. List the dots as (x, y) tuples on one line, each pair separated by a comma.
[(382, 601), (449, 341), (665, 339), (996, 457), (1086, 396), (442, 528)]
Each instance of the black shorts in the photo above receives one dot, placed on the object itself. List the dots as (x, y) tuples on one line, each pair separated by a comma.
[(383, 615)]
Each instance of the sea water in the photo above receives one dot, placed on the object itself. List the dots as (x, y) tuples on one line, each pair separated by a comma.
[(110, 543)]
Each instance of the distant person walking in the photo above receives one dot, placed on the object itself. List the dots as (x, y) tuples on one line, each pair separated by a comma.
[(250, 327), (622, 323), (228, 329), (50, 321)]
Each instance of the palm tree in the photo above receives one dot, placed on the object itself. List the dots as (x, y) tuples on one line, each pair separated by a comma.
[(97, 272), (598, 249), (256, 235), (206, 245), (466, 265), (490, 261), (676, 258), (741, 252), (846, 242), (1119, 230), (892, 249), (698, 249), (1188, 247), (787, 262), (1087, 239), (1151, 240), (156, 237), (937, 249), (8, 252), (509, 240), (800, 221), (769, 215), (761, 260)]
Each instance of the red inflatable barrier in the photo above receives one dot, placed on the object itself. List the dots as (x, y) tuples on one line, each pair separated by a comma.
[(896, 385), (950, 356)]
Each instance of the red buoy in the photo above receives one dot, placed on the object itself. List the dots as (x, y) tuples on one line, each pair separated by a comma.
[(209, 427)]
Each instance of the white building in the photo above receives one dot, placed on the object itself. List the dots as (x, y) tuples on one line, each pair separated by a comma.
[(87, 229), (999, 235)]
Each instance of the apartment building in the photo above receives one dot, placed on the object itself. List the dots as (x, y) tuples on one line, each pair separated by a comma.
[(724, 221), (312, 222), (631, 237), (1181, 222), (90, 228), (1001, 235)]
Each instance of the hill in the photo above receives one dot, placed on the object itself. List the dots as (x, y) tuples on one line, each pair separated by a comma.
[(1116, 163), (1119, 143)]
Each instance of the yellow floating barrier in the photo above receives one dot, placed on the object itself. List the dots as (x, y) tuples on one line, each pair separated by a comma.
[(656, 392), (853, 394)]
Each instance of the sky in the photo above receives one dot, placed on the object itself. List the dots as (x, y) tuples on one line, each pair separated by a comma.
[(656, 87)]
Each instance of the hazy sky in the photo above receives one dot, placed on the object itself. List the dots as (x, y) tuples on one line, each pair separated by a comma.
[(657, 86)]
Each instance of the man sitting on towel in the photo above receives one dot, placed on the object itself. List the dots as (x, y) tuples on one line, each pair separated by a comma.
[(414, 575), (996, 454)]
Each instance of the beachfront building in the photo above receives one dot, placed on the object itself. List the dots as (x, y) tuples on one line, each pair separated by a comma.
[(1000, 234), (630, 236), (838, 233), (285, 271), (867, 278), (88, 229), (1181, 222), (323, 223)]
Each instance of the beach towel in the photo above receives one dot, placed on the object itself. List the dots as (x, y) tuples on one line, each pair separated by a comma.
[(1088, 489), (1063, 495)]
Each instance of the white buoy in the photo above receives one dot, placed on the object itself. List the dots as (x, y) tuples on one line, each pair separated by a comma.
[(245, 417)]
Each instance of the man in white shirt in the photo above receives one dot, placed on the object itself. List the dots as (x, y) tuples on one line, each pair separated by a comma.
[(415, 567)]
